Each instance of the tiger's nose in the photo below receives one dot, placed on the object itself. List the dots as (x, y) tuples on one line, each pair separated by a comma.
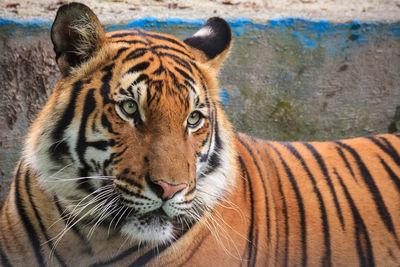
[(165, 190)]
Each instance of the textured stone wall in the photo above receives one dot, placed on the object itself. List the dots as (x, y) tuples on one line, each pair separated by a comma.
[(290, 79)]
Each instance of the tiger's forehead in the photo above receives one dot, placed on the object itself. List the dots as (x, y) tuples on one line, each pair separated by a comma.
[(155, 65), (150, 90), (159, 43)]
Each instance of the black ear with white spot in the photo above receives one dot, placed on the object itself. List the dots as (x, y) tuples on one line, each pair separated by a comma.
[(76, 35), (213, 40)]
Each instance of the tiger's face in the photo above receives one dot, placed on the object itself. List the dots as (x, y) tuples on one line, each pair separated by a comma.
[(133, 135)]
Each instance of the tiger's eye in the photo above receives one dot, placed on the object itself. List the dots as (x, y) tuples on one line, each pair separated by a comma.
[(194, 119), (129, 107)]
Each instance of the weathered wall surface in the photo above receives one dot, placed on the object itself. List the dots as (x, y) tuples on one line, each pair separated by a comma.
[(289, 79)]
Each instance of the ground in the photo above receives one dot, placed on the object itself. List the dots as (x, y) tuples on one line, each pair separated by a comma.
[(119, 11)]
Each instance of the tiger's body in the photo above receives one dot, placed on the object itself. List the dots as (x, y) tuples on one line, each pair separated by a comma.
[(132, 162)]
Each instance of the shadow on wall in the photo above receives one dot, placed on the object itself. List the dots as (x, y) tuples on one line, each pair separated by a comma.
[(290, 79)]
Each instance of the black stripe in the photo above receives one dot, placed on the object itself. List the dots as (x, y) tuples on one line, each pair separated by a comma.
[(172, 49), (148, 256), (107, 124), (254, 258), (194, 251), (155, 96), (392, 149), (130, 193), (324, 170), (300, 204), (122, 91), (388, 149), (124, 34), (205, 141), (101, 145), (82, 145), (262, 178), (185, 75), (373, 189), (105, 87), (176, 84), (325, 223), (391, 174), (121, 256), (94, 123), (139, 52), (130, 182), (266, 203), (39, 220), (131, 42), (4, 260), (11, 228), (119, 52), (21, 207), (178, 60), (138, 67), (206, 156), (215, 160), (59, 146), (244, 181), (159, 70), (346, 162), (114, 158), (250, 245), (190, 86), (363, 243), (286, 222), (142, 77), (275, 171), (164, 38)]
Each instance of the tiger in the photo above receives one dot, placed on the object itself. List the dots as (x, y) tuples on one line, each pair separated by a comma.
[(133, 162)]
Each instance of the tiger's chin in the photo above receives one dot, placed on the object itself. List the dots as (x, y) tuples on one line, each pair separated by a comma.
[(153, 228)]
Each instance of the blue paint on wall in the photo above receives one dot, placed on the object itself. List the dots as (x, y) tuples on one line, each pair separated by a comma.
[(224, 97), (239, 26), (150, 22), (334, 38), (10, 26)]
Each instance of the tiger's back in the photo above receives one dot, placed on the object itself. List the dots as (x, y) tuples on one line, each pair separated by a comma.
[(326, 203), (133, 162)]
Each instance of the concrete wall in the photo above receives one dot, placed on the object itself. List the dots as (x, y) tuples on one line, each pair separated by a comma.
[(289, 79)]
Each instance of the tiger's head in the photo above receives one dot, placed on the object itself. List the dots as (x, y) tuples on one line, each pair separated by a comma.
[(133, 134)]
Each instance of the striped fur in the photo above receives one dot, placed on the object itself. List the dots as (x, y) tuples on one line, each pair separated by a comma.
[(97, 186)]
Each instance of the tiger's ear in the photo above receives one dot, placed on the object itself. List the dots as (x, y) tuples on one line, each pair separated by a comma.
[(211, 44), (76, 35)]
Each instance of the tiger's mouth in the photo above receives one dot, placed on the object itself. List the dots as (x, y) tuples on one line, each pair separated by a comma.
[(151, 227), (158, 214), (138, 217)]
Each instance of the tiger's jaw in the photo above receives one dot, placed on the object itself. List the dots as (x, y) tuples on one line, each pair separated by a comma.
[(154, 227)]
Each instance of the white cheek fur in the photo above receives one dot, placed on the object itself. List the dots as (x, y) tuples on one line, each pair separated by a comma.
[(216, 185)]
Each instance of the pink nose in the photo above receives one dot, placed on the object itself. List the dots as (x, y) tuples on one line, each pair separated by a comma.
[(169, 190)]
